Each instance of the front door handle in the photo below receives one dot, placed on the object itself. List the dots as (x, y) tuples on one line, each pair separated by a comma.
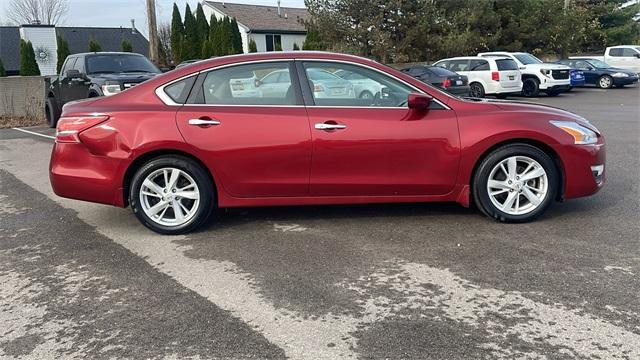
[(329, 126), (203, 122)]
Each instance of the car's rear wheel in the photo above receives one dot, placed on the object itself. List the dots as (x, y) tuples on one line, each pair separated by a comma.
[(530, 87), (605, 82), (515, 183), (172, 195), (51, 112), (476, 90)]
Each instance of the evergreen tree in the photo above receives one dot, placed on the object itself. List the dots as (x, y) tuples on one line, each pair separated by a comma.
[(213, 44), (28, 64), (295, 46), (191, 46), (202, 32), (63, 52), (126, 46), (236, 36), (312, 40), (94, 46), (3, 73), (177, 34), (253, 47)]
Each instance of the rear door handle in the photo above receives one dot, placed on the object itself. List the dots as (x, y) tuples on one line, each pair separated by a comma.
[(325, 126), (203, 122)]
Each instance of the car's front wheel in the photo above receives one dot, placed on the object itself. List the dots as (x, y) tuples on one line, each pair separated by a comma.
[(515, 183), (530, 87), (172, 195), (605, 82)]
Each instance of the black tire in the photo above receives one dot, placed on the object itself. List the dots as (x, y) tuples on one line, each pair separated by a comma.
[(530, 87), (193, 169), (605, 82), (51, 112), (481, 177), (476, 90)]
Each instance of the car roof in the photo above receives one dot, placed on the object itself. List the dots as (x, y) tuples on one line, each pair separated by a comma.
[(497, 57), (107, 53)]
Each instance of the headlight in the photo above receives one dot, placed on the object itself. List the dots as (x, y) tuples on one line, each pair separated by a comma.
[(620, 75), (111, 88), (545, 72), (581, 135)]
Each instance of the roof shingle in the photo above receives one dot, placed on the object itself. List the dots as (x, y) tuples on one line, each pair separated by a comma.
[(264, 18)]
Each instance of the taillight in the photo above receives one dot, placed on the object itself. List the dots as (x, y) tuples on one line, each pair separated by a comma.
[(446, 83), (495, 76), (69, 127)]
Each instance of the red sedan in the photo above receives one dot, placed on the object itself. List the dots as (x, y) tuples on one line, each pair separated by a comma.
[(282, 129)]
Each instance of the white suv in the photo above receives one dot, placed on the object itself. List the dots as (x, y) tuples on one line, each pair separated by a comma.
[(487, 76), (536, 75)]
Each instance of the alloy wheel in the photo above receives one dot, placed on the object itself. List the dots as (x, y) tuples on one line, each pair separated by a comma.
[(517, 185), (169, 197), (605, 82)]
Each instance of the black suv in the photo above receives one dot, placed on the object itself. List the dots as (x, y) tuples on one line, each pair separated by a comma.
[(95, 74)]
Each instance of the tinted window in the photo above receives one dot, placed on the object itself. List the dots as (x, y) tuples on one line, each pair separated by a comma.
[(68, 64), (615, 52), (527, 59), (119, 63), (242, 85), (629, 52), (506, 64), (179, 91), (331, 90), (479, 65), (440, 71)]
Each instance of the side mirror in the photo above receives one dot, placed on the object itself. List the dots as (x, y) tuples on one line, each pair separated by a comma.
[(638, 55), (72, 74), (419, 102)]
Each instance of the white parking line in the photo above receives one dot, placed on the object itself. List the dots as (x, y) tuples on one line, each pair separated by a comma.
[(35, 133)]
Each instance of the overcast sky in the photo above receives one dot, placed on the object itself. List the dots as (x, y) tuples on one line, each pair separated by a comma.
[(115, 13)]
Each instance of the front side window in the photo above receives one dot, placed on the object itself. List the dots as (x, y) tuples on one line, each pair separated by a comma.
[(68, 65), (266, 83), (369, 88), (582, 65), (629, 52), (615, 52)]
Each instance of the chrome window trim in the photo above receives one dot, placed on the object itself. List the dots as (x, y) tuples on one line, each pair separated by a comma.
[(169, 102)]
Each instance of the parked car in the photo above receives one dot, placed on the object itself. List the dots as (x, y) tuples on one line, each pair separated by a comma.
[(577, 78), (487, 76), (173, 150), (626, 57), (447, 80), (326, 85), (364, 87), (536, 75), (601, 74), (95, 74)]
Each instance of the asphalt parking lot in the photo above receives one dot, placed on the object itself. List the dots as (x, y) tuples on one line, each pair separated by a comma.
[(424, 281)]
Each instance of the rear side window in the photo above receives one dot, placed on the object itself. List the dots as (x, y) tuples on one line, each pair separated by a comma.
[(480, 65), (615, 52), (179, 91), (246, 85), (458, 65), (506, 64)]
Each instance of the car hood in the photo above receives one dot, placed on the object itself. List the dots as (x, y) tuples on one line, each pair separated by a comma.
[(552, 113), (547, 66), (136, 77), (613, 70)]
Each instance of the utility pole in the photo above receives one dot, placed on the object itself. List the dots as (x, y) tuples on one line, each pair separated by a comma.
[(153, 31)]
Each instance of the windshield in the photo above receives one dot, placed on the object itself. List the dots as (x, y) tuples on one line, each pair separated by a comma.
[(119, 63), (527, 59), (598, 64)]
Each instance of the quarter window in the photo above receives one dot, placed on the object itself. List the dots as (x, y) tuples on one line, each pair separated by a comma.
[(253, 84), (369, 88), (179, 91), (479, 65)]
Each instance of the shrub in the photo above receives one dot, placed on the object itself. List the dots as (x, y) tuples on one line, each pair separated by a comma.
[(63, 52), (253, 47), (94, 46), (126, 46), (28, 64)]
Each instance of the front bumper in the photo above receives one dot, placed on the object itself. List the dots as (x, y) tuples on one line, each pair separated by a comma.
[(625, 81), (547, 83), (584, 168)]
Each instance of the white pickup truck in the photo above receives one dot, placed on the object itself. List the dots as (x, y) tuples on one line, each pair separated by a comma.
[(622, 57), (537, 76)]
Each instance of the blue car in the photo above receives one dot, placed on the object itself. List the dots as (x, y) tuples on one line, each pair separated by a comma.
[(601, 74), (577, 78)]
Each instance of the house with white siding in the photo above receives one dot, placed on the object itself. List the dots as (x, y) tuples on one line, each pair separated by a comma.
[(266, 25)]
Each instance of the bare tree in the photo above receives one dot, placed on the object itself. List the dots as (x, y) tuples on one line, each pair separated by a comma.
[(49, 12), (164, 37)]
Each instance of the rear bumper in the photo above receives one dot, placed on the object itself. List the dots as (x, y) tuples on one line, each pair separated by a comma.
[(584, 168), (458, 90), (77, 174)]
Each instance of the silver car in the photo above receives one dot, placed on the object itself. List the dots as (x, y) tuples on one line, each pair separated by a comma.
[(365, 88), (325, 85)]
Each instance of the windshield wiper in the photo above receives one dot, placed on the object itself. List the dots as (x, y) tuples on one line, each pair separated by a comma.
[(131, 71)]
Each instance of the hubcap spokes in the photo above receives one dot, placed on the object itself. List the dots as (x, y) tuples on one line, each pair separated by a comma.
[(517, 185), (169, 197)]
